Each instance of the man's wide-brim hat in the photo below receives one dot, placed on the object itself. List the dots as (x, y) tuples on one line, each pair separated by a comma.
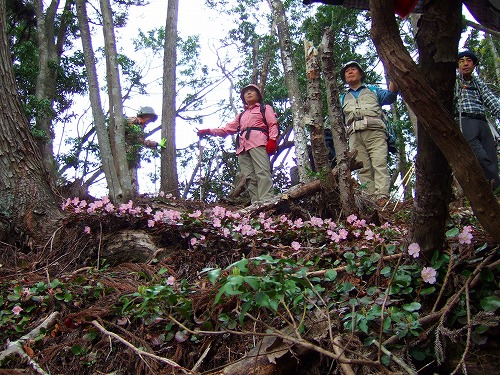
[(347, 65), (251, 86), (147, 111), (470, 55)]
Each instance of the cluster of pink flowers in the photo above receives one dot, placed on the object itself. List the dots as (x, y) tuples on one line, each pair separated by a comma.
[(428, 274)]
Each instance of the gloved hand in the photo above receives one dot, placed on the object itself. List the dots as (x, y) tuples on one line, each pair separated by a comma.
[(162, 143), (271, 146), (203, 132)]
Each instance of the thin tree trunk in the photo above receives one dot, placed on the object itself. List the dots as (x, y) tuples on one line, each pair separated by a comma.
[(28, 204), (50, 49), (314, 118), (117, 118), (435, 119), (169, 178), (114, 187), (346, 188), (494, 53), (292, 84)]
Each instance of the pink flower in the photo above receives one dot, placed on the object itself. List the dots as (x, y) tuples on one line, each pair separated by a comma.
[(195, 214), (109, 207), (316, 221), (359, 223), (17, 309), (298, 223), (170, 280), (283, 218), (351, 218), (343, 234), (216, 222), (218, 211), (369, 234), (151, 223), (86, 230), (428, 275), (105, 200), (194, 241), (225, 232), (465, 236), (414, 250), (295, 245), (331, 224), (148, 210), (247, 230), (334, 236)]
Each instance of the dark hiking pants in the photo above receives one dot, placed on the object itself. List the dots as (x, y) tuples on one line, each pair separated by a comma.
[(477, 132)]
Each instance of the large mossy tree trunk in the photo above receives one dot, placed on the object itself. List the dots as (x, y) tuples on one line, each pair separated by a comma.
[(28, 204), (434, 118)]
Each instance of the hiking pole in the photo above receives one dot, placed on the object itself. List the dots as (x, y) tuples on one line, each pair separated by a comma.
[(200, 165)]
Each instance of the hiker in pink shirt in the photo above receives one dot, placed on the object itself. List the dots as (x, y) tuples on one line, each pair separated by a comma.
[(257, 134)]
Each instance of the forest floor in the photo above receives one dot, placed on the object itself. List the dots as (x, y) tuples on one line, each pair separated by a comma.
[(164, 286)]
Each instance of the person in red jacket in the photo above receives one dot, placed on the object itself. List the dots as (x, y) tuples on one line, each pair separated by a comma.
[(257, 134)]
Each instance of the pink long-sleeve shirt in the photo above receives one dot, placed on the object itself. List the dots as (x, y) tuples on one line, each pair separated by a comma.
[(252, 117)]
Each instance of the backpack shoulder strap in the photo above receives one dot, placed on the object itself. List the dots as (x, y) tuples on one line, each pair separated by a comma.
[(263, 112)]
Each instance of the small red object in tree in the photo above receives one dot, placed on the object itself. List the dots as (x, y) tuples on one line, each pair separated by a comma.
[(404, 7)]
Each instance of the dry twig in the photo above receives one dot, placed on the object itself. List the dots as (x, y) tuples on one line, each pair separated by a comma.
[(138, 351)]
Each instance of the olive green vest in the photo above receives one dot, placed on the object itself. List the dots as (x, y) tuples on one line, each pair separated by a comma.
[(362, 113)]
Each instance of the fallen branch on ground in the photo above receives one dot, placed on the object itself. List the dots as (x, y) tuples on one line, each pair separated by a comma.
[(138, 351), (16, 347)]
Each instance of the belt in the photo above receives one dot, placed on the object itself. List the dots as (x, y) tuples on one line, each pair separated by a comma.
[(475, 116)]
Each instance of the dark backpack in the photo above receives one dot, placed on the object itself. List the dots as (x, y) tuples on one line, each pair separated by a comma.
[(250, 128)]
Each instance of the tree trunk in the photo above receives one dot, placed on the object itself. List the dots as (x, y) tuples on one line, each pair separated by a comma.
[(114, 187), (494, 53), (28, 203), (117, 118), (314, 117), (434, 117), (46, 80), (346, 188), (437, 40), (292, 84), (169, 179)]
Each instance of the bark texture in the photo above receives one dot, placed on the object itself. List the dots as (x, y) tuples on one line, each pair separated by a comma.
[(292, 85), (28, 204), (346, 184), (114, 188), (435, 119), (315, 117), (117, 118), (437, 40), (169, 182)]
